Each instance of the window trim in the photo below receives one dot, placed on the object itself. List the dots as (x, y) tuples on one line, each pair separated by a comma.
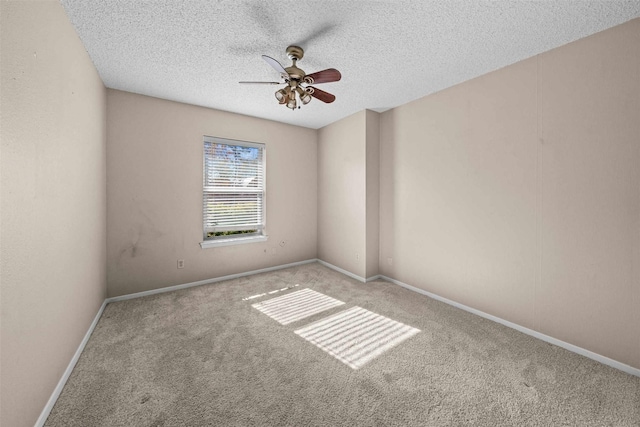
[(233, 241), (261, 235)]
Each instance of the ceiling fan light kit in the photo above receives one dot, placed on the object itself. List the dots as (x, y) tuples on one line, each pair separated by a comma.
[(303, 95), (294, 78), (282, 95)]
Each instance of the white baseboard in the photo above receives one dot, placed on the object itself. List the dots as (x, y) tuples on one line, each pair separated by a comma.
[(206, 281), (573, 348), (343, 271), (65, 376), (348, 273)]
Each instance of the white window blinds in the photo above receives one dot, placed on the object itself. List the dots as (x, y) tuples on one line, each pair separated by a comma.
[(233, 189)]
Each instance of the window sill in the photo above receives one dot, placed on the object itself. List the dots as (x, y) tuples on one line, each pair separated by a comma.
[(234, 241)]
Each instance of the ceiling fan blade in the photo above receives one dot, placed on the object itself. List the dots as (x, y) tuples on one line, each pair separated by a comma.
[(260, 83), (320, 94), (325, 76), (276, 66)]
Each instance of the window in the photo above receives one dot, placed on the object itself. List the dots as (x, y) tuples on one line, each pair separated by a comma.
[(233, 193)]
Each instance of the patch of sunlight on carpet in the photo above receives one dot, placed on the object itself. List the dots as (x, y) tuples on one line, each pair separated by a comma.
[(297, 305), (356, 336)]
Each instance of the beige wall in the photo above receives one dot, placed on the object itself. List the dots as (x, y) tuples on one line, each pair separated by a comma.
[(342, 194), (372, 158), (154, 201), (589, 112), (517, 193), (53, 109), (349, 193)]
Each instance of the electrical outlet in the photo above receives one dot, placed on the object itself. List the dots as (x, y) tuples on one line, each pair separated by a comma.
[(390, 261), (357, 256), (180, 263)]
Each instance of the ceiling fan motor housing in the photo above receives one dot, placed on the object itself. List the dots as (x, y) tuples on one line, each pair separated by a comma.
[(295, 73)]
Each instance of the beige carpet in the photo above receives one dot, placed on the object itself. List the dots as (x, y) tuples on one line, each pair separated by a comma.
[(203, 356)]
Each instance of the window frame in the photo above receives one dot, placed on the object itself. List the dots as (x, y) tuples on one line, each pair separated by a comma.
[(261, 234)]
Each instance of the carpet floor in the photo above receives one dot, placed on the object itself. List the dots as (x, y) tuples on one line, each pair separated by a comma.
[(206, 356)]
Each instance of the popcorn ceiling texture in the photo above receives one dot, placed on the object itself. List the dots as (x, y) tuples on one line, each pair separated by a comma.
[(389, 52)]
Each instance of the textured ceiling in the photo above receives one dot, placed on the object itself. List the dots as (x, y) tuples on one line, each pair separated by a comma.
[(389, 52)]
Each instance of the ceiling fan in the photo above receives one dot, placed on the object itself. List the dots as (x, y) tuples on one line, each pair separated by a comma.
[(298, 82)]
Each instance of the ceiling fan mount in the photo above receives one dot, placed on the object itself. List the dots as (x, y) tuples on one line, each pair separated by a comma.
[(295, 53), (297, 82)]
